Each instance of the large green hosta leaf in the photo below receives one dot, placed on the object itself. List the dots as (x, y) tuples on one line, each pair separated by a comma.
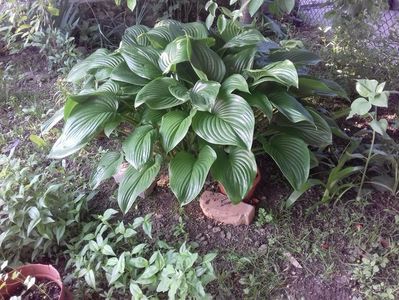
[(318, 134), (108, 87), (137, 181), (297, 56), (244, 39), (99, 59), (260, 101), (176, 52), (235, 82), (229, 29), (84, 122), (283, 72), (231, 122), (138, 146), (236, 171), (291, 154), (238, 62), (309, 86), (142, 61), (290, 107), (203, 94), (164, 33), (122, 73), (134, 36), (174, 127), (207, 64), (196, 30), (106, 168), (161, 93), (188, 173)]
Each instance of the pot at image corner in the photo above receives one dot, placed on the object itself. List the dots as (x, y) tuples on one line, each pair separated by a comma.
[(248, 198), (38, 271)]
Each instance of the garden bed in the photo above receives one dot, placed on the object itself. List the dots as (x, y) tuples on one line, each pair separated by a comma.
[(311, 251)]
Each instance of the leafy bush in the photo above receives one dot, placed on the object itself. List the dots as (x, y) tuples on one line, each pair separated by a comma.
[(373, 96), (189, 97), (38, 210), (114, 254), (58, 47)]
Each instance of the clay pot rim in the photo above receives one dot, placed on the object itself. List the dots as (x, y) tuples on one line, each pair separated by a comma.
[(39, 271)]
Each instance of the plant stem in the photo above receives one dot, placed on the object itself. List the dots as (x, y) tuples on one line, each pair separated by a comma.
[(366, 166)]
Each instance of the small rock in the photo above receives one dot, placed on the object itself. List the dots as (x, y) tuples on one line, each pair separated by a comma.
[(263, 248), (222, 235), (121, 172), (209, 226), (263, 198), (216, 229), (205, 243), (218, 207), (203, 238), (257, 244), (198, 236), (228, 235), (163, 181)]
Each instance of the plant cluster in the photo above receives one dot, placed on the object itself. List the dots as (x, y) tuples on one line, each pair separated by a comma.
[(40, 24), (385, 163), (114, 253), (39, 210), (190, 97)]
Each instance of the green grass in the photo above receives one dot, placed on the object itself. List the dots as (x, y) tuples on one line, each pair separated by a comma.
[(327, 242)]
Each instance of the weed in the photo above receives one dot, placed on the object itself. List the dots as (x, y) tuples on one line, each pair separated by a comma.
[(264, 217)]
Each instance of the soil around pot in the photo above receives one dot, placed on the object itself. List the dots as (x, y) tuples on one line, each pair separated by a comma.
[(43, 289)]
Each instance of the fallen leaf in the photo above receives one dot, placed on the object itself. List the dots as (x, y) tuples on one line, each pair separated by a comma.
[(292, 260)]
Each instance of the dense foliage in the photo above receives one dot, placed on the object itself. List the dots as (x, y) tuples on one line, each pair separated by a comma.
[(113, 252), (190, 96)]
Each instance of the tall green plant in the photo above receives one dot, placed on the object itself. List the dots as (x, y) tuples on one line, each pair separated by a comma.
[(189, 95), (372, 95)]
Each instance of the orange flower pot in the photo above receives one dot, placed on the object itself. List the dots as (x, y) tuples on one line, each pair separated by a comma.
[(38, 271)]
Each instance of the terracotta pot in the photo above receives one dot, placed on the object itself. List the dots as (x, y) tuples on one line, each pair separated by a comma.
[(248, 197), (38, 271)]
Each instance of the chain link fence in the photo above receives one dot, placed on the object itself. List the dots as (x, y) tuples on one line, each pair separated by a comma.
[(312, 13)]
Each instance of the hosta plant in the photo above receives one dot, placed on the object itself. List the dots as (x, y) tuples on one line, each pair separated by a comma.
[(191, 98)]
